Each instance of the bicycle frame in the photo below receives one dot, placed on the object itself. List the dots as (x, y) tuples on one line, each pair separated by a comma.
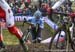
[(65, 27)]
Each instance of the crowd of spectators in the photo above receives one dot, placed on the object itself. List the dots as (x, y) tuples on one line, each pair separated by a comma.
[(21, 7), (28, 7)]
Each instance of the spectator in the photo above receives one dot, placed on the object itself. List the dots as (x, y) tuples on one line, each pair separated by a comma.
[(19, 12), (22, 5), (67, 6), (27, 2), (27, 12)]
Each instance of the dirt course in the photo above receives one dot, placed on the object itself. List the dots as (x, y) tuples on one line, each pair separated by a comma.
[(32, 48)]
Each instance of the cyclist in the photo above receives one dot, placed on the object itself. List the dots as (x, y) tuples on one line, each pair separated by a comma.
[(37, 24), (56, 5), (50, 10), (7, 15)]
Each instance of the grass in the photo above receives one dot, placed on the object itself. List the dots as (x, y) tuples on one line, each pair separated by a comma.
[(9, 39), (51, 31)]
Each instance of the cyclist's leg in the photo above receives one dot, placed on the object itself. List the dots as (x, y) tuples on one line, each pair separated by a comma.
[(2, 15), (1, 37), (39, 38), (13, 29), (16, 31), (33, 33)]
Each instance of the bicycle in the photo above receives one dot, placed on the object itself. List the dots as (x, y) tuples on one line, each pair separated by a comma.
[(26, 34), (65, 27)]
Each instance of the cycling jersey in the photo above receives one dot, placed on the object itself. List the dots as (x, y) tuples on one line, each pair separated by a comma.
[(35, 21), (6, 13)]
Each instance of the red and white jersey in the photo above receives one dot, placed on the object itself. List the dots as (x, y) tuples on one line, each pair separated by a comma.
[(5, 10), (6, 13)]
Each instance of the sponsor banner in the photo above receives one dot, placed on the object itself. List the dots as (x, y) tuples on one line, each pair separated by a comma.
[(21, 18), (48, 21)]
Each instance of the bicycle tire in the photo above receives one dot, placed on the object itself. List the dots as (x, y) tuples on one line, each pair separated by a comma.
[(58, 40), (24, 45), (50, 44), (25, 38), (58, 31)]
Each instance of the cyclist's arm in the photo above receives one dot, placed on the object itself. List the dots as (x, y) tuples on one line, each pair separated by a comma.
[(58, 4), (29, 21)]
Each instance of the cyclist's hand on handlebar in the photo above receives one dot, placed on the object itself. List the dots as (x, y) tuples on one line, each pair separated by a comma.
[(25, 20)]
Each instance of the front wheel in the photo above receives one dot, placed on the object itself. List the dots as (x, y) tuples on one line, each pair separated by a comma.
[(24, 46)]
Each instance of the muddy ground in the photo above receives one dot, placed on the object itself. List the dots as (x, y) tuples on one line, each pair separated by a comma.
[(33, 48)]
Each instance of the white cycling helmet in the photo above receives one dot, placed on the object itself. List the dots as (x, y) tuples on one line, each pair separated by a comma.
[(38, 14)]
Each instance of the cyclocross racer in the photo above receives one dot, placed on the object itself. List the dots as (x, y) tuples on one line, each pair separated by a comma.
[(7, 14), (37, 24)]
